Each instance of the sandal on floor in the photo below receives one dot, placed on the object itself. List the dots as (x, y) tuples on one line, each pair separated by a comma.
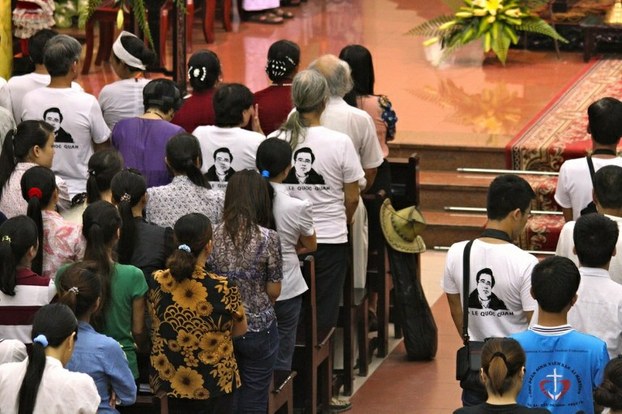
[(337, 405), (265, 18), (282, 13)]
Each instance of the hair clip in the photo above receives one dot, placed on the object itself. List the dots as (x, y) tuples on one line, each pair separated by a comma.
[(185, 248), (6, 239), (74, 290), (91, 172), (126, 198), (35, 192), (265, 174), (41, 339)]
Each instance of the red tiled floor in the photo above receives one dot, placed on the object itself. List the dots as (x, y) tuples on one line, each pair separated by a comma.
[(400, 386)]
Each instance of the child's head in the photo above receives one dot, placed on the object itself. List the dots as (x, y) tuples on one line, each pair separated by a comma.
[(605, 121), (595, 237), (18, 246), (554, 284)]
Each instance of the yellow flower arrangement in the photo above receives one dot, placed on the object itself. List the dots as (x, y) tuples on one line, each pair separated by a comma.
[(496, 22)]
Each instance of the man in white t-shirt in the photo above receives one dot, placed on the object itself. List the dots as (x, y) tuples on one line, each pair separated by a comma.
[(228, 147), (5, 97), (359, 126), (598, 310), (78, 123), (608, 200), (574, 185), (19, 86), (493, 253)]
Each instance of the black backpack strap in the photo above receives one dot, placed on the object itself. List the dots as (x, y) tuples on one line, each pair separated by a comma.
[(466, 272)]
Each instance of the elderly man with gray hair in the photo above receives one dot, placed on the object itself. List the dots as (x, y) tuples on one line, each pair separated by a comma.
[(359, 126), (76, 116)]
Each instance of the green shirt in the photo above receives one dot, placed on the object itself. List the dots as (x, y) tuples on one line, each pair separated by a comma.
[(127, 283)]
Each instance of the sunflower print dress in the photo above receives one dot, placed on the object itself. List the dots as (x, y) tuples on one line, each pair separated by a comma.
[(192, 350)]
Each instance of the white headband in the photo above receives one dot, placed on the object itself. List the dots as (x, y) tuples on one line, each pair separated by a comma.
[(125, 56)]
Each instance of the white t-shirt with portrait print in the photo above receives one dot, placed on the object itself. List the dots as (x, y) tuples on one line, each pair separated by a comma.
[(510, 297), (240, 142), (335, 162), (293, 218), (19, 86), (82, 124)]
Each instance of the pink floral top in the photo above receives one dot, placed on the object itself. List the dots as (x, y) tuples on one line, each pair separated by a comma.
[(62, 242), (13, 204)]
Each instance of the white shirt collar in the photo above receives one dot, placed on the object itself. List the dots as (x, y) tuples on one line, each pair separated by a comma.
[(594, 272)]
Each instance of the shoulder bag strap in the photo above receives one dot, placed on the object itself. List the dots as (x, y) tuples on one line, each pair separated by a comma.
[(466, 271), (590, 166)]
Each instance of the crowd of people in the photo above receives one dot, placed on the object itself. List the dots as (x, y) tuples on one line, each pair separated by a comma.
[(561, 318), (147, 234), (155, 237)]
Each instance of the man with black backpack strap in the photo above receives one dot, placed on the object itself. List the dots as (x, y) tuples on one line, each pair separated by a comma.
[(508, 207)]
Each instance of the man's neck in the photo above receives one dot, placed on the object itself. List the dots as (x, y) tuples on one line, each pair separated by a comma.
[(501, 225), (552, 319), (61, 81), (615, 212), (40, 69), (608, 147)]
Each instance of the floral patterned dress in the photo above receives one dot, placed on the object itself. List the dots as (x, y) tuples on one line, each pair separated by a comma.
[(192, 350)]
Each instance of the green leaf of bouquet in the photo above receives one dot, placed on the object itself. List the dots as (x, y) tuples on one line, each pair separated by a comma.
[(537, 25), (430, 27), (500, 42)]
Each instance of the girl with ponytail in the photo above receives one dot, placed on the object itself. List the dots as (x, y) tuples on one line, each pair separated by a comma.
[(142, 244), (62, 241), (121, 314), (31, 144), (22, 291), (185, 291), (502, 372), (95, 354), (294, 224), (188, 192), (40, 384)]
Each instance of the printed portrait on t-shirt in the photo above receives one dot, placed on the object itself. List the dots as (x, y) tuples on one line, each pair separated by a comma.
[(221, 170), (54, 117), (302, 171), (482, 297)]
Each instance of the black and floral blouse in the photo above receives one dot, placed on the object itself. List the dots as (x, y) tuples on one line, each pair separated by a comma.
[(259, 262), (192, 350)]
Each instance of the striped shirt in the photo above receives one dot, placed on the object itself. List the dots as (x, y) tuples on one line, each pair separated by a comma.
[(16, 312)]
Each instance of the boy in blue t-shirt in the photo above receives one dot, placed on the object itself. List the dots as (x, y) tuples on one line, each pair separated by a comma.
[(563, 365)]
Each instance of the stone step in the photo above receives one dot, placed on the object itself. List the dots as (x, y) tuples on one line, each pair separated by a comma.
[(439, 189), (446, 228), (451, 151)]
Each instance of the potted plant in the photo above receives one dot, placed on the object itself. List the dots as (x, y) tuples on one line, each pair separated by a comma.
[(495, 22)]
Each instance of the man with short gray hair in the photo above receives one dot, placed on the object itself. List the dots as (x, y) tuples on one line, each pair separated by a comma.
[(77, 118)]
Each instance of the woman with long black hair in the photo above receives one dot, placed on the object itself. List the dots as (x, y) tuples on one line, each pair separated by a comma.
[(141, 244), (40, 384), (247, 251)]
